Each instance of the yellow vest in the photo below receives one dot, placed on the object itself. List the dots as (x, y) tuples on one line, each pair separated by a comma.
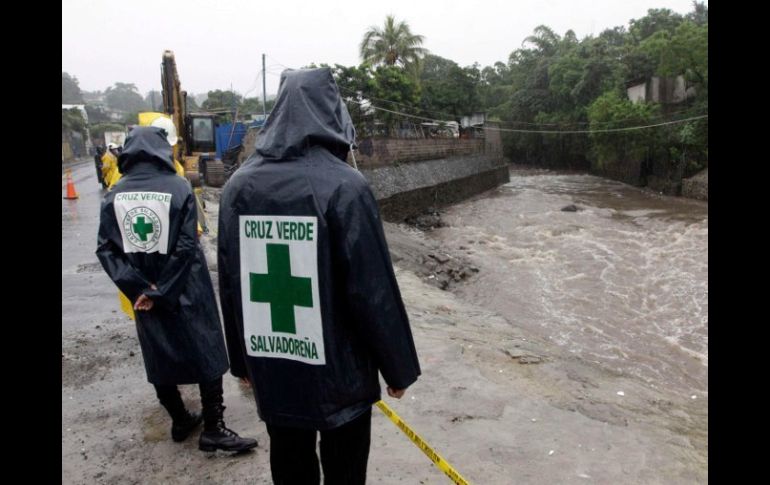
[(110, 170)]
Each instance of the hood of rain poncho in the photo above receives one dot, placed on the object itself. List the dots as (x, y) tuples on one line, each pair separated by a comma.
[(308, 112)]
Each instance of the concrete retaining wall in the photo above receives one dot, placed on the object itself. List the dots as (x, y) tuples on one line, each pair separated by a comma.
[(410, 176)]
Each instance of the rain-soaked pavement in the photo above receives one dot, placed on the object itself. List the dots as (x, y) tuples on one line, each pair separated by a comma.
[(87, 293)]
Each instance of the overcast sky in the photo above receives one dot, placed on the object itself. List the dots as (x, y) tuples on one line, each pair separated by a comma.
[(220, 43)]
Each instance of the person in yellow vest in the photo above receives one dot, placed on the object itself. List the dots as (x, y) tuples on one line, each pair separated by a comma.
[(110, 172)]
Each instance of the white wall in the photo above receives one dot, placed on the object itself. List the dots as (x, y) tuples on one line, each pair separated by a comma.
[(637, 93)]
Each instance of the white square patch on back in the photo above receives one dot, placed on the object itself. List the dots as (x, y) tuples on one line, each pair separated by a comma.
[(279, 288), (143, 218)]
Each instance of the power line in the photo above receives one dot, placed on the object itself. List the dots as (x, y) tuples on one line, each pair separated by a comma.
[(662, 115), (610, 130), (254, 84), (278, 62), (508, 122), (367, 96)]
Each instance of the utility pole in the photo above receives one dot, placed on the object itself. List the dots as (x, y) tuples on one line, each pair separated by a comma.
[(264, 91), (235, 110)]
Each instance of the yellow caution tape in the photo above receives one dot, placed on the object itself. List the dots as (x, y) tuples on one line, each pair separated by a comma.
[(441, 463)]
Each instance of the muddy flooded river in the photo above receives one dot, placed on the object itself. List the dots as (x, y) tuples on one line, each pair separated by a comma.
[(622, 281)]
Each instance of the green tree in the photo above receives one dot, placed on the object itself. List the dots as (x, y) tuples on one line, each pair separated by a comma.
[(356, 85), (96, 114), (130, 118), (70, 90), (224, 104), (124, 97), (394, 84), (251, 106), (354, 82), (656, 20), (219, 100), (611, 111), (448, 91), (555, 82), (154, 100), (254, 105), (699, 14), (494, 87), (685, 51), (584, 71), (392, 44), (72, 120), (192, 104), (545, 40)]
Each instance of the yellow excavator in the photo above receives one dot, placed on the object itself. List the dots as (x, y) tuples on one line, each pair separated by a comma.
[(197, 141)]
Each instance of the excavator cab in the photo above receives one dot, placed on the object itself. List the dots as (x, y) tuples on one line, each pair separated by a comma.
[(201, 148), (200, 133)]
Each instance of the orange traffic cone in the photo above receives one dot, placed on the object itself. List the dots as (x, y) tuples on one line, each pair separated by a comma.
[(71, 193)]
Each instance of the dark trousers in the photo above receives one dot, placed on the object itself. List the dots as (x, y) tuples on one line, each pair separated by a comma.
[(344, 454), (211, 401)]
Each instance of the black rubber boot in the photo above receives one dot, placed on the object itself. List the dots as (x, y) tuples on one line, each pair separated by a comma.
[(215, 435), (181, 428), (183, 422)]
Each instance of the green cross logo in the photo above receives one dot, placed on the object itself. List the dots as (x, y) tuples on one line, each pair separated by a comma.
[(280, 289), (142, 228)]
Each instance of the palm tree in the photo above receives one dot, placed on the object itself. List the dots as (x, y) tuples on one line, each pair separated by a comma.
[(392, 44), (544, 39)]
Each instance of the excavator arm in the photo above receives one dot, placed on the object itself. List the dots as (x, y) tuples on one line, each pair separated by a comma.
[(174, 100)]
